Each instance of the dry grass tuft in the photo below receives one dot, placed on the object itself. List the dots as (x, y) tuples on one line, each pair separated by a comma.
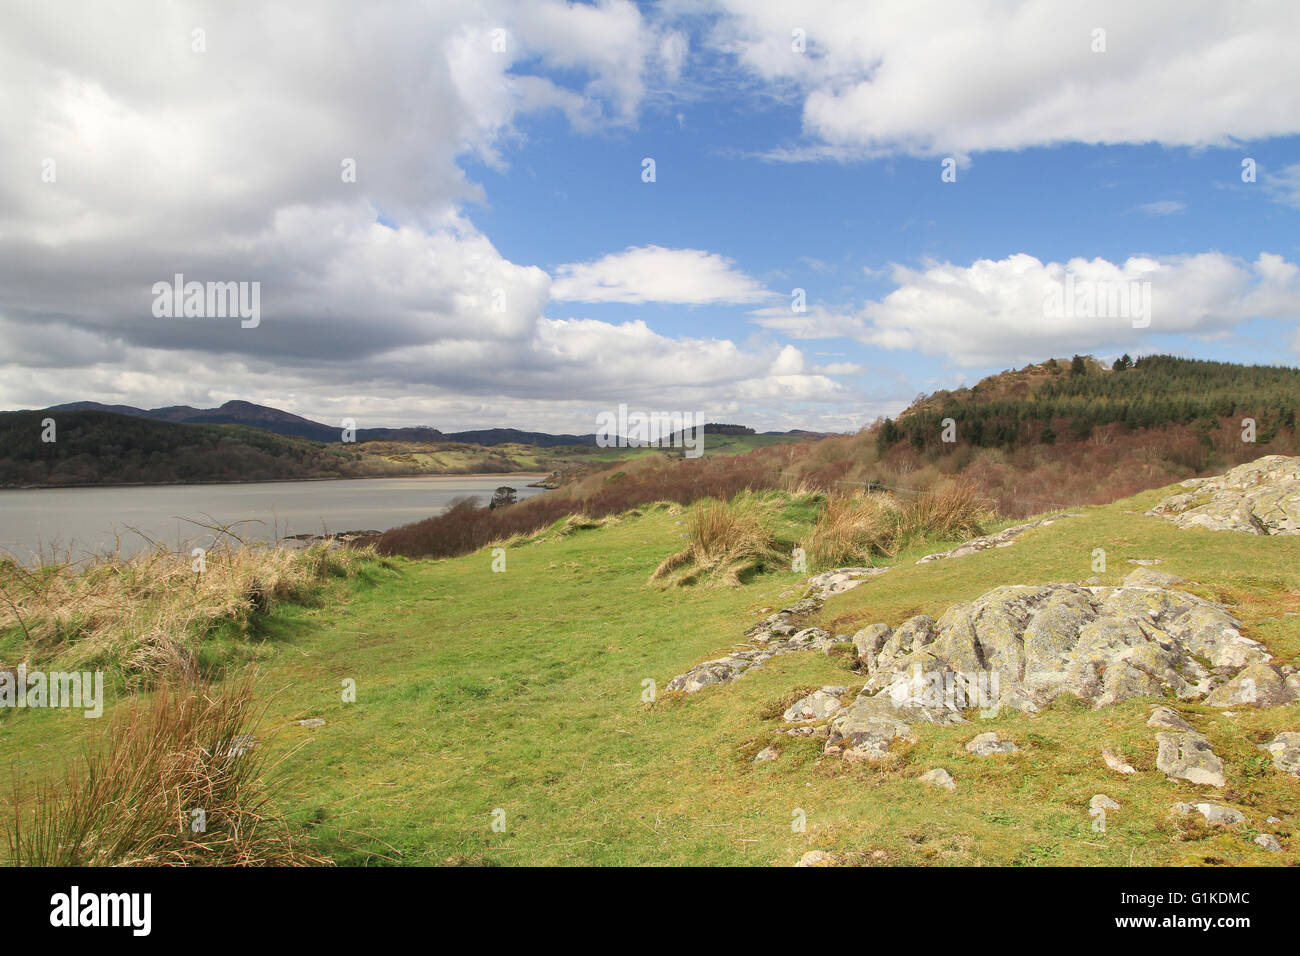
[(191, 748), (851, 528), (148, 615), (726, 540)]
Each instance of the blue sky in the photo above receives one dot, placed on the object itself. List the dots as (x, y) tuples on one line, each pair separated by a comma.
[(500, 150)]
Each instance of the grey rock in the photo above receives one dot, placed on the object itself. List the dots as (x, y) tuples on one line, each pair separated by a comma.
[(999, 540), (312, 722), (1269, 842), (1169, 719), (1256, 685), (988, 744), (1115, 763), (1220, 816), (817, 705), (766, 754), (1188, 756), (1147, 578), (1100, 801), (938, 777), (1261, 497)]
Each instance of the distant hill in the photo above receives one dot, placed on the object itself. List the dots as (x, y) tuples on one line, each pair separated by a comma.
[(1062, 398), (94, 447), (295, 426)]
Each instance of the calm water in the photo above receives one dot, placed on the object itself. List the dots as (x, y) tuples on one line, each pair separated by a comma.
[(82, 520)]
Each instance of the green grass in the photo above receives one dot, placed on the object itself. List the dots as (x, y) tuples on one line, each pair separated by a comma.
[(523, 691)]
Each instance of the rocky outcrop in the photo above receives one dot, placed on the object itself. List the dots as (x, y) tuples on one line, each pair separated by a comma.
[(1261, 497), (778, 633), (1022, 646), (1001, 539)]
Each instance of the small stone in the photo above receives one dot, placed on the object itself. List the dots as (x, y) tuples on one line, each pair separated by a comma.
[(938, 777), (817, 858), (1164, 717), (1100, 801), (1269, 842), (1273, 820), (987, 744), (1115, 763), (767, 753), (1184, 808), (312, 722), (1220, 816)]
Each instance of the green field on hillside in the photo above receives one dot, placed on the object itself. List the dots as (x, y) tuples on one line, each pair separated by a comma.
[(522, 692)]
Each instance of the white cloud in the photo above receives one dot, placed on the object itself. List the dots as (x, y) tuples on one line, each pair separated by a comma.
[(931, 79), (655, 274), (1284, 186), (993, 312)]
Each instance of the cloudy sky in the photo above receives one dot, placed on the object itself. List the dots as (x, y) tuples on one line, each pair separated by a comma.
[(560, 207)]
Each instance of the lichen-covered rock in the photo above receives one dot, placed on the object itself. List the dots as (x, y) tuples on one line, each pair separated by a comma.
[(1285, 748), (1029, 644), (766, 754), (817, 705), (1169, 720), (866, 729), (841, 579), (1269, 842), (1261, 497), (1188, 756), (1100, 801), (1149, 578), (988, 744), (1257, 685)]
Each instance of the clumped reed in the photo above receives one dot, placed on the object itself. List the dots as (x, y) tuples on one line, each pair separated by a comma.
[(852, 528), (148, 616), (726, 540), (178, 780)]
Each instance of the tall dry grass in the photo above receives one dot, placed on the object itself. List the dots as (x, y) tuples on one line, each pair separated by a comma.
[(852, 528), (726, 540), (133, 801), (149, 615)]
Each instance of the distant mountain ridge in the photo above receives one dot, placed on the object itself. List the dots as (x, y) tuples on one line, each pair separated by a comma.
[(295, 426)]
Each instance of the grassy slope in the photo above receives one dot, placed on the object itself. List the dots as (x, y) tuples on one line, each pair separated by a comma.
[(523, 690)]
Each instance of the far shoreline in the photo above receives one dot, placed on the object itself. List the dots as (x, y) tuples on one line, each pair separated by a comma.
[(270, 481)]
